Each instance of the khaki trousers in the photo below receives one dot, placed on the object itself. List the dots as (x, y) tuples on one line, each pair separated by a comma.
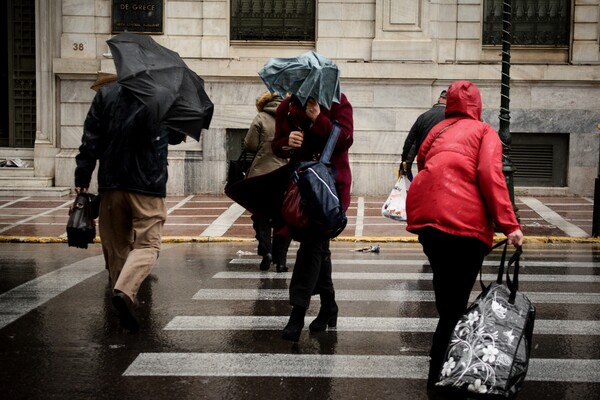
[(130, 227)]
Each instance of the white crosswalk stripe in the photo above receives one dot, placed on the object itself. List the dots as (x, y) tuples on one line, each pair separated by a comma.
[(363, 324), (332, 366), (423, 261), (386, 295), (405, 276)]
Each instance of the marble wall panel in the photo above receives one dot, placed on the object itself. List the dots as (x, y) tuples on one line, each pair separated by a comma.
[(185, 9), (215, 9), (78, 7), (215, 46), (185, 27), (73, 113), (585, 51), (70, 136), (563, 98), (76, 24)]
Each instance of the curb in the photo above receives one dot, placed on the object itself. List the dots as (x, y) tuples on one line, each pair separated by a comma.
[(353, 239)]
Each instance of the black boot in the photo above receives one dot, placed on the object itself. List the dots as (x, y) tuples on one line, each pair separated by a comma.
[(265, 264), (281, 268), (294, 326), (327, 314), (126, 311), (280, 248)]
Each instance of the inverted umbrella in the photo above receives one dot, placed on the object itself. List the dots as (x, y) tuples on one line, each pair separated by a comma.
[(308, 75), (161, 80)]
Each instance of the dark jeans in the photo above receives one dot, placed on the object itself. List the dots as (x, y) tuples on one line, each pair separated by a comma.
[(455, 261), (269, 242), (312, 272)]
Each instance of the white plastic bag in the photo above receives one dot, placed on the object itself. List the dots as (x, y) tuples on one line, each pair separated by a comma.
[(395, 205)]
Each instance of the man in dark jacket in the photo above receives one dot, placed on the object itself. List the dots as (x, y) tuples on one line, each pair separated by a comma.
[(418, 132), (131, 147)]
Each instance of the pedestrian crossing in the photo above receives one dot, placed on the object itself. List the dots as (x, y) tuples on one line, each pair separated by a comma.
[(224, 329), (240, 282)]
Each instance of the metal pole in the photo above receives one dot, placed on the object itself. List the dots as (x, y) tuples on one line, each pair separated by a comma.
[(596, 217), (504, 131)]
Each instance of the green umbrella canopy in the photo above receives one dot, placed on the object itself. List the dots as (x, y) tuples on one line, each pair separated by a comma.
[(307, 75)]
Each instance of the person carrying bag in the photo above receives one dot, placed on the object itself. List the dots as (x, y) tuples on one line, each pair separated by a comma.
[(312, 205), (307, 133), (456, 204), (488, 353)]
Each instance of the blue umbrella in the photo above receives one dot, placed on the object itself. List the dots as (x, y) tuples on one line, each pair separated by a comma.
[(307, 75)]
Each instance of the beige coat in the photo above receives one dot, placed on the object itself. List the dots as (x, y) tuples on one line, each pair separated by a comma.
[(260, 135)]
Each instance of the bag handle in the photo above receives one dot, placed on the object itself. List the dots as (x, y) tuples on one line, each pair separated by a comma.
[(513, 284), (501, 271), (331, 141), (502, 261)]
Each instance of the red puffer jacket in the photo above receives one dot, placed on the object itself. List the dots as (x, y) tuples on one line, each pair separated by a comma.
[(460, 188)]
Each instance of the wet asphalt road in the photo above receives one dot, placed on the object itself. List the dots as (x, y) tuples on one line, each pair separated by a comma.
[(211, 325)]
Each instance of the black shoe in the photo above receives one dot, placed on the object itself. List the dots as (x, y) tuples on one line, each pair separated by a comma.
[(327, 318), (265, 264), (281, 268), (125, 310), (293, 329)]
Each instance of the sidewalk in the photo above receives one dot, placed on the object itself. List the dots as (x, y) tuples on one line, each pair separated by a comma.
[(203, 218)]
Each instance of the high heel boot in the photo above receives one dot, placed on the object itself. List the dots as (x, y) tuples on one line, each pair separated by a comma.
[(328, 314), (294, 326)]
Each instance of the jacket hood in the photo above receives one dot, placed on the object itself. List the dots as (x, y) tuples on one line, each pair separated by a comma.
[(272, 105), (463, 101), (266, 100)]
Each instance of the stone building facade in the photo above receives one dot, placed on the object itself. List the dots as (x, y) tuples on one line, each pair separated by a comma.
[(395, 57)]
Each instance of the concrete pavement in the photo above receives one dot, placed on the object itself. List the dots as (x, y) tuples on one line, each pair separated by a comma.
[(205, 218)]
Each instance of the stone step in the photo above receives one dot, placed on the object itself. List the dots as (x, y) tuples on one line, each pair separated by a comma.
[(11, 172), (26, 181), (13, 191), (29, 185)]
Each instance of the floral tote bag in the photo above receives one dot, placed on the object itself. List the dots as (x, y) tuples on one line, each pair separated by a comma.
[(488, 354)]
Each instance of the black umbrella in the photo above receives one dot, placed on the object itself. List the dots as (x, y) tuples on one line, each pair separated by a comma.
[(163, 82), (308, 75)]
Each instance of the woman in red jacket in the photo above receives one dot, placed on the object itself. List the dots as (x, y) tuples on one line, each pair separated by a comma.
[(300, 135), (453, 204)]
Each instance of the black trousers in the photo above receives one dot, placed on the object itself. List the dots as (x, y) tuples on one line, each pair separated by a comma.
[(312, 272), (455, 261), (269, 242)]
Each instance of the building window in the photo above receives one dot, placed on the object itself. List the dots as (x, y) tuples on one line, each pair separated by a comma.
[(280, 20), (534, 22)]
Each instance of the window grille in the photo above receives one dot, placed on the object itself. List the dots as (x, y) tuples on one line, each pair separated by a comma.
[(22, 99), (534, 22), (277, 20)]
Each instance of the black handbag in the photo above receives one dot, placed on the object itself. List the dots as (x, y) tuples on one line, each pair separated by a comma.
[(238, 169), (81, 227), (488, 354), (318, 212)]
